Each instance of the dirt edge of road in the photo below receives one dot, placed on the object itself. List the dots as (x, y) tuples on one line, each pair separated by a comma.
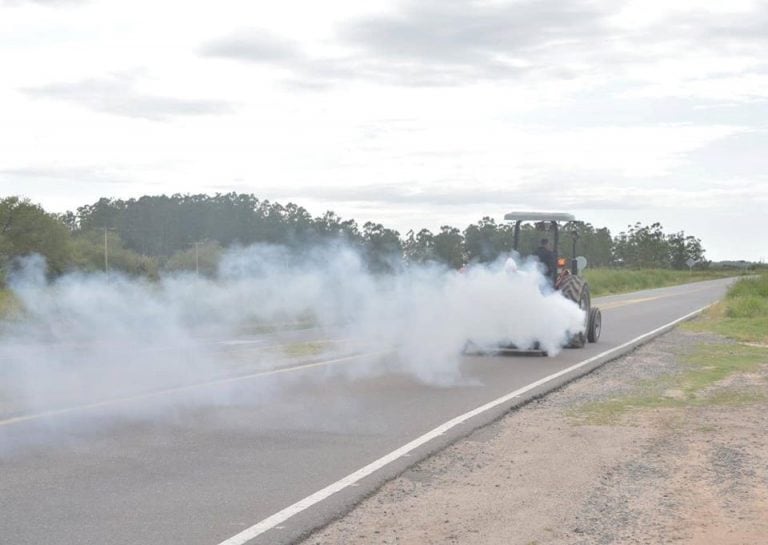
[(666, 444)]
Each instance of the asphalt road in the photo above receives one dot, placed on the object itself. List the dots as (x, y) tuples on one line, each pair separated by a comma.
[(200, 472)]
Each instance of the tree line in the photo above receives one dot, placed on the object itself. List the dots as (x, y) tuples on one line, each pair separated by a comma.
[(188, 232)]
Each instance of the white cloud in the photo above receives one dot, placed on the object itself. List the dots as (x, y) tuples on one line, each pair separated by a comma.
[(119, 95), (415, 113)]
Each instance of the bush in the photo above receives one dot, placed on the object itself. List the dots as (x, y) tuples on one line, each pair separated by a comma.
[(753, 286), (748, 298), (88, 255), (205, 257), (747, 306), (607, 281)]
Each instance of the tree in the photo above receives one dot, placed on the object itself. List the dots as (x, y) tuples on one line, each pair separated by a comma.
[(88, 254), (383, 249), (642, 246), (164, 229), (69, 219), (594, 244), (202, 256), (682, 248), (419, 247), (102, 213), (26, 228), (485, 241), (448, 247), (330, 226)]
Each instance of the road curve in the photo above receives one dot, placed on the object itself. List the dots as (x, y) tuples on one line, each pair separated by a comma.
[(203, 473)]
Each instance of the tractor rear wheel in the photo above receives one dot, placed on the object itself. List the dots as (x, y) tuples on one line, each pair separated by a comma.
[(577, 290), (573, 287)]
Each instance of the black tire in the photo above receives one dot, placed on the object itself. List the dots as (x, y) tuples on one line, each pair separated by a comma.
[(595, 325), (574, 288), (577, 290)]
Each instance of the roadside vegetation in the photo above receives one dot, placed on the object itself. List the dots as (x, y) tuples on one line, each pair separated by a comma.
[(613, 281), (743, 314), (702, 382), (735, 346), (160, 233), (306, 349), (8, 303)]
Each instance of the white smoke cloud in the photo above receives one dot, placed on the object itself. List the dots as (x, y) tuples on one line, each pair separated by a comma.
[(91, 338)]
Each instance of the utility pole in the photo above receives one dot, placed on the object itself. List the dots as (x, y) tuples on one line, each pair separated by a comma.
[(106, 250), (106, 253), (197, 259)]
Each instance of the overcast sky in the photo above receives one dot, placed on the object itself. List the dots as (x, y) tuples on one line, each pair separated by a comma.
[(413, 114)]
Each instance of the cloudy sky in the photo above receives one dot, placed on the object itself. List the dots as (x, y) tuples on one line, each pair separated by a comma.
[(415, 113)]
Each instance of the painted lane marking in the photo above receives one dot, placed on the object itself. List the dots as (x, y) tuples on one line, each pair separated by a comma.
[(618, 304), (128, 399), (240, 342), (623, 302), (352, 479), (236, 346), (167, 391)]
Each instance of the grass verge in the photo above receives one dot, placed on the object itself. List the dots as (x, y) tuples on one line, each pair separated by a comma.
[(706, 376), (305, 349), (613, 281), (703, 381), (742, 315), (8, 304)]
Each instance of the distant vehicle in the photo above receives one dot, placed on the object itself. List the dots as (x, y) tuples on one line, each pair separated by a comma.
[(564, 275)]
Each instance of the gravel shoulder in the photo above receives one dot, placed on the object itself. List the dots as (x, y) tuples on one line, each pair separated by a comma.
[(644, 450)]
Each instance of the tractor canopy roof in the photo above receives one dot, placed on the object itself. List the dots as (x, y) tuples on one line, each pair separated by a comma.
[(539, 216)]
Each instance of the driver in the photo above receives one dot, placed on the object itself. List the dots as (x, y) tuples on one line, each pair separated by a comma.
[(547, 258)]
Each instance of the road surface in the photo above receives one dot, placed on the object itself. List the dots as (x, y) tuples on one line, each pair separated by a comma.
[(203, 473)]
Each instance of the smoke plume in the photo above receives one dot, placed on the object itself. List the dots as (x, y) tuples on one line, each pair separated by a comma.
[(85, 339)]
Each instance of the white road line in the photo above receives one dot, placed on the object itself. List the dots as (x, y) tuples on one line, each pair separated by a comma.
[(281, 516), (167, 391)]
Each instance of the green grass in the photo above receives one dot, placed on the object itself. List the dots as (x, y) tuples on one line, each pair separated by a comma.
[(304, 349), (612, 281), (742, 315), (8, 304), (741, 329), (754, 286), (698, 384)]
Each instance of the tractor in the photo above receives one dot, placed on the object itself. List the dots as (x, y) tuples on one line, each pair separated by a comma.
[(565, 275)]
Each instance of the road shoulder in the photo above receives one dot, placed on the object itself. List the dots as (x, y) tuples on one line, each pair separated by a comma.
[(661, 445)]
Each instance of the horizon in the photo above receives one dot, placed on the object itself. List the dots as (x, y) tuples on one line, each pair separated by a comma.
[(435, 230)]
